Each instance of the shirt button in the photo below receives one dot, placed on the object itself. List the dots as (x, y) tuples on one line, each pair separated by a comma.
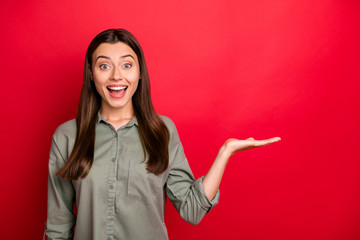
[(113, 159), (111, 186)]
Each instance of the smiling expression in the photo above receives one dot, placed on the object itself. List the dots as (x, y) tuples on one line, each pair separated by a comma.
[(116, 74)]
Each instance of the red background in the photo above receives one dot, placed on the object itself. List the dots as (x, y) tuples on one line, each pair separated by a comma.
[(219, 69)]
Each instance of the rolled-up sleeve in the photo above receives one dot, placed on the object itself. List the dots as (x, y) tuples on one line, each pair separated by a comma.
[(61, 197), (185, 193)]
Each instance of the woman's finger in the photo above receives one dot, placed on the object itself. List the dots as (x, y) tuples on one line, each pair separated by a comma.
[(265, 142)]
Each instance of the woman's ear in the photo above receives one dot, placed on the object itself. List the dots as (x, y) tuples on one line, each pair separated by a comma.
[(91, 75)]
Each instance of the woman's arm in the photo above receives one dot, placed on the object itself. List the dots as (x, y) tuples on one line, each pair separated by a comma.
[(61, 194), (212, 179)]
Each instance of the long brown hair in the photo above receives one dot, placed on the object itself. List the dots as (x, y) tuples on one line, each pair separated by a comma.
[(153, 132)]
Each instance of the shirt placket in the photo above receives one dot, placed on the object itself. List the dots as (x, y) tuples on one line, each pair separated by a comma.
[(111, 188)]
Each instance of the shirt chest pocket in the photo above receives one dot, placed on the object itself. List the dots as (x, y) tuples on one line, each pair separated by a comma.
[(143, 185), (140, 184)]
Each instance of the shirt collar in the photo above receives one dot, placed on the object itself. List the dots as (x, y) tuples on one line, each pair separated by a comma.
[(131, 123)]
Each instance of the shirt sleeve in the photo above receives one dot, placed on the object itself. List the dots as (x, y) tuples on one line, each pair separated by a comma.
[(61, 197), (185, 193)]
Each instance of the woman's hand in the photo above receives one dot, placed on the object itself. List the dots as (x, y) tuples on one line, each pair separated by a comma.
[(232, 145)]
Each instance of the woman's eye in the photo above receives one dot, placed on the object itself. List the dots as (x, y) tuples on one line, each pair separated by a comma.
[(127, 65), (104, 66)]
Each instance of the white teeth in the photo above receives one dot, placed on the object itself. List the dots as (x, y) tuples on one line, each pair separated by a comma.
[(116, 88)]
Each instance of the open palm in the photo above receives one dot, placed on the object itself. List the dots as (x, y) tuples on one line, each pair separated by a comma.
[(235, 145)]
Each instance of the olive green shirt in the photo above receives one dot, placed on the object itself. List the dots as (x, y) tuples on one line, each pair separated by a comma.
[(119, 199)]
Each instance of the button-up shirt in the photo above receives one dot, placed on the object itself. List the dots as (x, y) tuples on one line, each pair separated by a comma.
[(119, 199)]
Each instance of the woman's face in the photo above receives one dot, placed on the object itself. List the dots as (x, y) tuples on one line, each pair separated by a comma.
[(116, 74)]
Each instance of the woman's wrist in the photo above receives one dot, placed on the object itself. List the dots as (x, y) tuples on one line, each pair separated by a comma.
[(225, 152)]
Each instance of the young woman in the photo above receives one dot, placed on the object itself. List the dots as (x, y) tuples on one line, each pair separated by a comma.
[(119, 160)]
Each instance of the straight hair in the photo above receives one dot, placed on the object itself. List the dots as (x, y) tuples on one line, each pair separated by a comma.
[(154, 135)]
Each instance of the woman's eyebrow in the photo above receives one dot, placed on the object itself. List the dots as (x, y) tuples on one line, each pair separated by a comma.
[(125, 56), (128, 55), (101, 56)]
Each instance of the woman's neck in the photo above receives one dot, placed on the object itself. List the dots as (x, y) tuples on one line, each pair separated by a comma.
[(117, 117)]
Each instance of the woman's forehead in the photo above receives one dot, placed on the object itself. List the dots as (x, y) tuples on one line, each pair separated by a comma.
[(114, 50)]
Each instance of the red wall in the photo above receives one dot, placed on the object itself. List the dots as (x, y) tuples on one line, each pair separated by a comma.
[(219, 69)]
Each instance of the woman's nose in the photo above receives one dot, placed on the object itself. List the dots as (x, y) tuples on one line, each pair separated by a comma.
[(116, 74)]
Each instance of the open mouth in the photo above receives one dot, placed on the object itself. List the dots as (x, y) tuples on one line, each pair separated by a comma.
[(117, 92)]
